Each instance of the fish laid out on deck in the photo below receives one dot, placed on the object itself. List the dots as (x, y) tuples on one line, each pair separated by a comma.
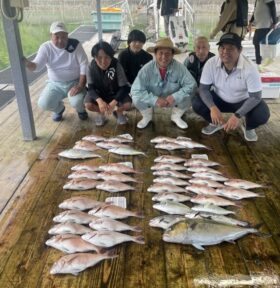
[(171, 196), (201, 232), (169, 159), (122, 138), (75, 216), (81, 184), (114, 186), (126, 151), (163, 187), (212, 208), (109, 239), (75, 263), (69, 228), (172, 207), (84, 174), (168, 166), (166, 221), (236, 193), (116, 176), (86, 145), (80, 203), (204, 181), (242, 184), (216, 200), (78, 154), (171, 180), (171, 173), (109, 224), (202, 189), (200, 162)]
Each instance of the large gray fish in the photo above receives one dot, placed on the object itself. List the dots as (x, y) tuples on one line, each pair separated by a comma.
[(86, 166), (208, 182), (172, 207), (196, 169), (217, 218), (242, 184), (78, 154), (110, 145), (114, 186), (85, 145), (165, 221), (162, 139), (211, 176), (171, 173), (126, 151), (169, 146), (81, 184), (75, 263), (201, 232), (169, 159), (201, 189), (75, 216), (116, 176), (70, 243), (212, 208), (236, 193), (160, 187), (117, 167), (80, 203), (109, 224), (69, 228), (94, 138), (84, 174), (123, 138), (108, 239), (200, 162), (171, 196), (171, 180), (114, 212), (190, 144), (216, 200), (168, 166)]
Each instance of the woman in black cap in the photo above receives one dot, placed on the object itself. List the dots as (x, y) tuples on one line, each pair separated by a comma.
[(133, 58)]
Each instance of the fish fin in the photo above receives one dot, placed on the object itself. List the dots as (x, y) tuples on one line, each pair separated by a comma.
[(139, 215), (231, 241), (263, 235), (198, 246), (139, 239), (136, 228)]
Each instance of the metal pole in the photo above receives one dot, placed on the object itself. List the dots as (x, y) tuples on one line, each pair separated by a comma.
[(19, 77), (99, 21)]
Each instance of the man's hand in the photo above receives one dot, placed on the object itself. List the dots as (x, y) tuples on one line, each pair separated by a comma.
[(75, 90), (170, 100), (161, 102), (216, 116), (112, 106), (232, 123), (102, 105), (29, 64)]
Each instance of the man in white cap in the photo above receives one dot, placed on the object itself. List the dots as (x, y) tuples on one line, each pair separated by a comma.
[(163, 82), (66, 63)]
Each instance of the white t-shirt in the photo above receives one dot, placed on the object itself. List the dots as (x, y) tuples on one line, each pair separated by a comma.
[(233, 87), (62, 65), (262, 14)]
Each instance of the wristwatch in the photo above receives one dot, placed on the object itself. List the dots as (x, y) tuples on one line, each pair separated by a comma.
[(237, 115)]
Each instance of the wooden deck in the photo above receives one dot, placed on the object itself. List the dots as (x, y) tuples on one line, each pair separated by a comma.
[(32, 177)]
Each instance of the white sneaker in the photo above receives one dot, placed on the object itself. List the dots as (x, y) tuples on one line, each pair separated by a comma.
[(147, 118), (249, 135), (211, 129)]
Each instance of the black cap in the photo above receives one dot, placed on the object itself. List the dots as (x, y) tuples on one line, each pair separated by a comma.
[(230, 38), (136, 35)]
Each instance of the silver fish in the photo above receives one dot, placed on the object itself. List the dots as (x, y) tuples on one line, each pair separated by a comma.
[(211, 176), (75, 216), (114, 212), (109, 224), (216, 200), (236, 193), (129, 151), (70, 243), (208, 182), (171, 180), (242, 184), (160, 187), (86, 166), (200, 162), (84, 174), (78, 154), (212, 208), (110, 145), (116, 176), (172, 207), (169, 159), (80, 203), (169, 146), (110, 238), (217, 218), (85, 145), (171, 173), (201, 232), (81, 184), (117, 167), (75, 263), (162, 139), (201, 189), (190, 144), (69, 228), (165, 221), (114, 186), (94, 138), (124, 138), (168, 166), (170, 196), (202, 169)]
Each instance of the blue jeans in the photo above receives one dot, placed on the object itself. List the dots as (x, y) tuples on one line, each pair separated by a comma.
[(51, 98)]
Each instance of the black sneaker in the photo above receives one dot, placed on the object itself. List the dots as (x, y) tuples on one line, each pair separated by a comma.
[(83, 115), (57, 117)]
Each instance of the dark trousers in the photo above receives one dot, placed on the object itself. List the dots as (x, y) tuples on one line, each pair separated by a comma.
[(258, 37), (259, 115)]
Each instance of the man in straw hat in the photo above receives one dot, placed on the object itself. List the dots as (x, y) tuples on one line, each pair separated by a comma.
[(163, 82)]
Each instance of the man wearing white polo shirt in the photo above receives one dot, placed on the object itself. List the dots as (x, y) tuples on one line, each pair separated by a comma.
[(230, 83), (66, 63)]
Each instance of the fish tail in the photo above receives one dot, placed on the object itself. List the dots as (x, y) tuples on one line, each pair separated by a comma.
[(139, 239), (136, 228), (263, 235), (139, 215)]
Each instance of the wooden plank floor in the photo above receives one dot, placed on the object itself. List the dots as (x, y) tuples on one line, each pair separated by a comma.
[(32, 177)]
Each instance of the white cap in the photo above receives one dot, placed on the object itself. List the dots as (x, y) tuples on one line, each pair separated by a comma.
[(58, 27)]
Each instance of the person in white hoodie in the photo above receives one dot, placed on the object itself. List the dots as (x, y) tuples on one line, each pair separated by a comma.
[(66, 63)]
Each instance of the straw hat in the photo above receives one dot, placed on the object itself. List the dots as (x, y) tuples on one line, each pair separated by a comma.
[(164, 43)]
